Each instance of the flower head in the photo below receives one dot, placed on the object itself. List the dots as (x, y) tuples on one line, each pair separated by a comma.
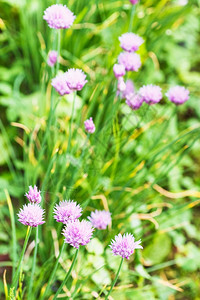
[(76, 79), (124, 245), (33, 194), (130, 41), (134, 101), (178, 94), (121, 85), (119, 70), (129, 89), (78, 233), (100, 219), (150, 93), (89, 125), (60, 85), (131, 61), (31, 215), (52, 58), (58, 16), (67, 211), (134, 1)]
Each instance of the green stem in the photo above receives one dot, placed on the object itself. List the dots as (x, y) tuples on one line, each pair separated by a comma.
[(16, 276), (34, 264), (67, 276), (115, 280), (132, 17), (58, 49), (54, 271), (71, 121)]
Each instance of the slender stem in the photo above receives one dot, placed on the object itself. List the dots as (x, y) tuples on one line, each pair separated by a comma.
[(67, 276), (58, 48), (54, 271), (33, 266), (16, 276), (115, 280), (71, 121), (132, 17)]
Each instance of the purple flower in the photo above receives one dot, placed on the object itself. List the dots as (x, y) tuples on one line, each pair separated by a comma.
[(58, 16), (89, 125), (33, 194), (178, 94), (31, 215), (130, 41), (67, 211), (121, 86), (131, 61), (119, 70), (150, 93), (134, 1), (78, 233), (129, 89), (134, 101), (124, 245), (76, 79), (100, 219), (60, 85), (52, 58)]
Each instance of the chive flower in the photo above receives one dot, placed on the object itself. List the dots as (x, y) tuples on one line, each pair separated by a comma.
[(52, 58), (89, 125), (58, 16), (33, 194), (67, 211), (134, 1), (78, 233), (31, 215), (100, 219), (60, 85), (130, 41), (151, 94), (178, 94), (129, 89), (130, 60), (75, 79), (134, 101), (119, 70), (124, 245)]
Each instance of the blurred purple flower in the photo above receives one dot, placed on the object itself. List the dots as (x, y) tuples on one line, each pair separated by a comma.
[(60, 84), (150, 93), (67, 211), (130, 41), (33, 194), (100, 219), (134, 1), (129, 88), (31, 215), (121, 86), (52, 58), (124, 245), (119, 70), (178, 94), (134, 101), (78, 233), (89, 125), (76, 79), (131, 61), (58, 16)]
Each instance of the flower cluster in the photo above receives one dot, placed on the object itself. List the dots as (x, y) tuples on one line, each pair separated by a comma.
[(52, 58), (32, 214), (100, 219), (58, 16), (67, 211), (124, 245), (89, 125)]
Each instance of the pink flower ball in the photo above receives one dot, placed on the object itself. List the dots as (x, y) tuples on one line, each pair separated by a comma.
[(52, 58), (129, 88), (134, 101), (178, 94), (89, 125), (58, 16), (31, 215), (119, 70), (75, 79), (151, 94), (130, 41), (60, 85), (130, 60), (100, 219), (134, 1)]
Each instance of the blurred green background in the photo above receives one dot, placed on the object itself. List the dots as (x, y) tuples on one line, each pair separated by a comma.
[(148, 177)]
